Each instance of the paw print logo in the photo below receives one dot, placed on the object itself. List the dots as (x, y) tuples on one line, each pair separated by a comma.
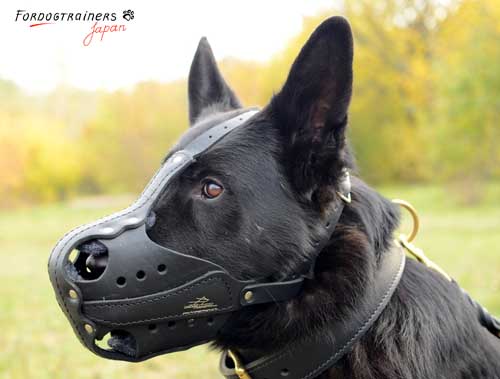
[(128, 14)]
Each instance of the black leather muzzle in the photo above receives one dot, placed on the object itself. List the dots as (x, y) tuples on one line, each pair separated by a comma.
[(150, 299)]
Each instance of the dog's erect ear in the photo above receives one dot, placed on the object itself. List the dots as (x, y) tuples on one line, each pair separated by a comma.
[(206, 86), (311, 109)]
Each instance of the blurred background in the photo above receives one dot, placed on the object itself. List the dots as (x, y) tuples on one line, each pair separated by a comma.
[(82, 129)]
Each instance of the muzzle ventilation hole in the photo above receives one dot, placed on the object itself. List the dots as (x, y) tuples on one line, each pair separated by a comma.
[(103, 342), (88, 261), (171, 324), (73, 256), (140, 275)]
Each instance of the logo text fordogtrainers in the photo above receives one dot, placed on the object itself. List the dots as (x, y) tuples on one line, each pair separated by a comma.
[(102, 22)]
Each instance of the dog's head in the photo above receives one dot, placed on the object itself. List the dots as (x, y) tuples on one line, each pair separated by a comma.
[(251, 207), (254, 201)]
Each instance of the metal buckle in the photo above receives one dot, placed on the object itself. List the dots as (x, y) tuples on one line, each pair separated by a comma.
[(239, 368)]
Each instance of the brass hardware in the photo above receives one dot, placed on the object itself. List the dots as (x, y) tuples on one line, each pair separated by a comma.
[(88, 328), (73, 294), (414, 215), (248, 296), (239, 369), (421, 257), (406, 241)]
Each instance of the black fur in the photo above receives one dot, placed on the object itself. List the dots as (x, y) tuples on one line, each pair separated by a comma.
[(206, 85), (279, 175)]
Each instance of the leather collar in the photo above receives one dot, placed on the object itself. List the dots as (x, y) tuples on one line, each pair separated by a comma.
[(308, 358)]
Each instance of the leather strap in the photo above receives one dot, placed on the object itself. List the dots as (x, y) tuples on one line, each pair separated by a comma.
[(308, 358), (487, 320)]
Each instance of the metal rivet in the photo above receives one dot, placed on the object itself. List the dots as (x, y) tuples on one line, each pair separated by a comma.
[(89, 329), (132, 220), (73, 294), (177, 158), (107, 230), (248, 296)]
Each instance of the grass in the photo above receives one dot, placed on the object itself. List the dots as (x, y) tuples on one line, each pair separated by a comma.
[(37, 342)]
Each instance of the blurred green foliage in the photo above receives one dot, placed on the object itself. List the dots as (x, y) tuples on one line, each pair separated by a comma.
[(426, 107)]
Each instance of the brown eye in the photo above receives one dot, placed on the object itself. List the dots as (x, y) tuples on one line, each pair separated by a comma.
[(212, 189)]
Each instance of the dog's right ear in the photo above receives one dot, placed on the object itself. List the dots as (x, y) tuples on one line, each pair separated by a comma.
[(206, 86)]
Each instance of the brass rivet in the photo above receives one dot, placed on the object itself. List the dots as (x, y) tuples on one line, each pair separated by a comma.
[(248, 296), (73, 294), (89, 329)]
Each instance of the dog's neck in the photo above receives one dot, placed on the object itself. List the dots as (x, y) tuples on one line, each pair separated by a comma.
[(345, 267)]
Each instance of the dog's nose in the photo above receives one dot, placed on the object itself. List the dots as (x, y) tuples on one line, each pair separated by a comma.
[(92, 260), (96, 263)]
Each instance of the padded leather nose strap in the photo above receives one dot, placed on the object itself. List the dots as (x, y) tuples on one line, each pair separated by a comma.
[(306, 359)]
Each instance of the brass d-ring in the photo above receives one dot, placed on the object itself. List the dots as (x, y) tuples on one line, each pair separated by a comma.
[(414, 215), (239, 369)]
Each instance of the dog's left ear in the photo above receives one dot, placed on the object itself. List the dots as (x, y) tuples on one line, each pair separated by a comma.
[(311, 109), (206, 86)]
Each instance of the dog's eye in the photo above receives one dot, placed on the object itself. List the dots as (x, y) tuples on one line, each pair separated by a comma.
[(211, 189)]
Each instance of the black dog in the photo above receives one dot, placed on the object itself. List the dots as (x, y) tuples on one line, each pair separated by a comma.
[(252, 204)]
